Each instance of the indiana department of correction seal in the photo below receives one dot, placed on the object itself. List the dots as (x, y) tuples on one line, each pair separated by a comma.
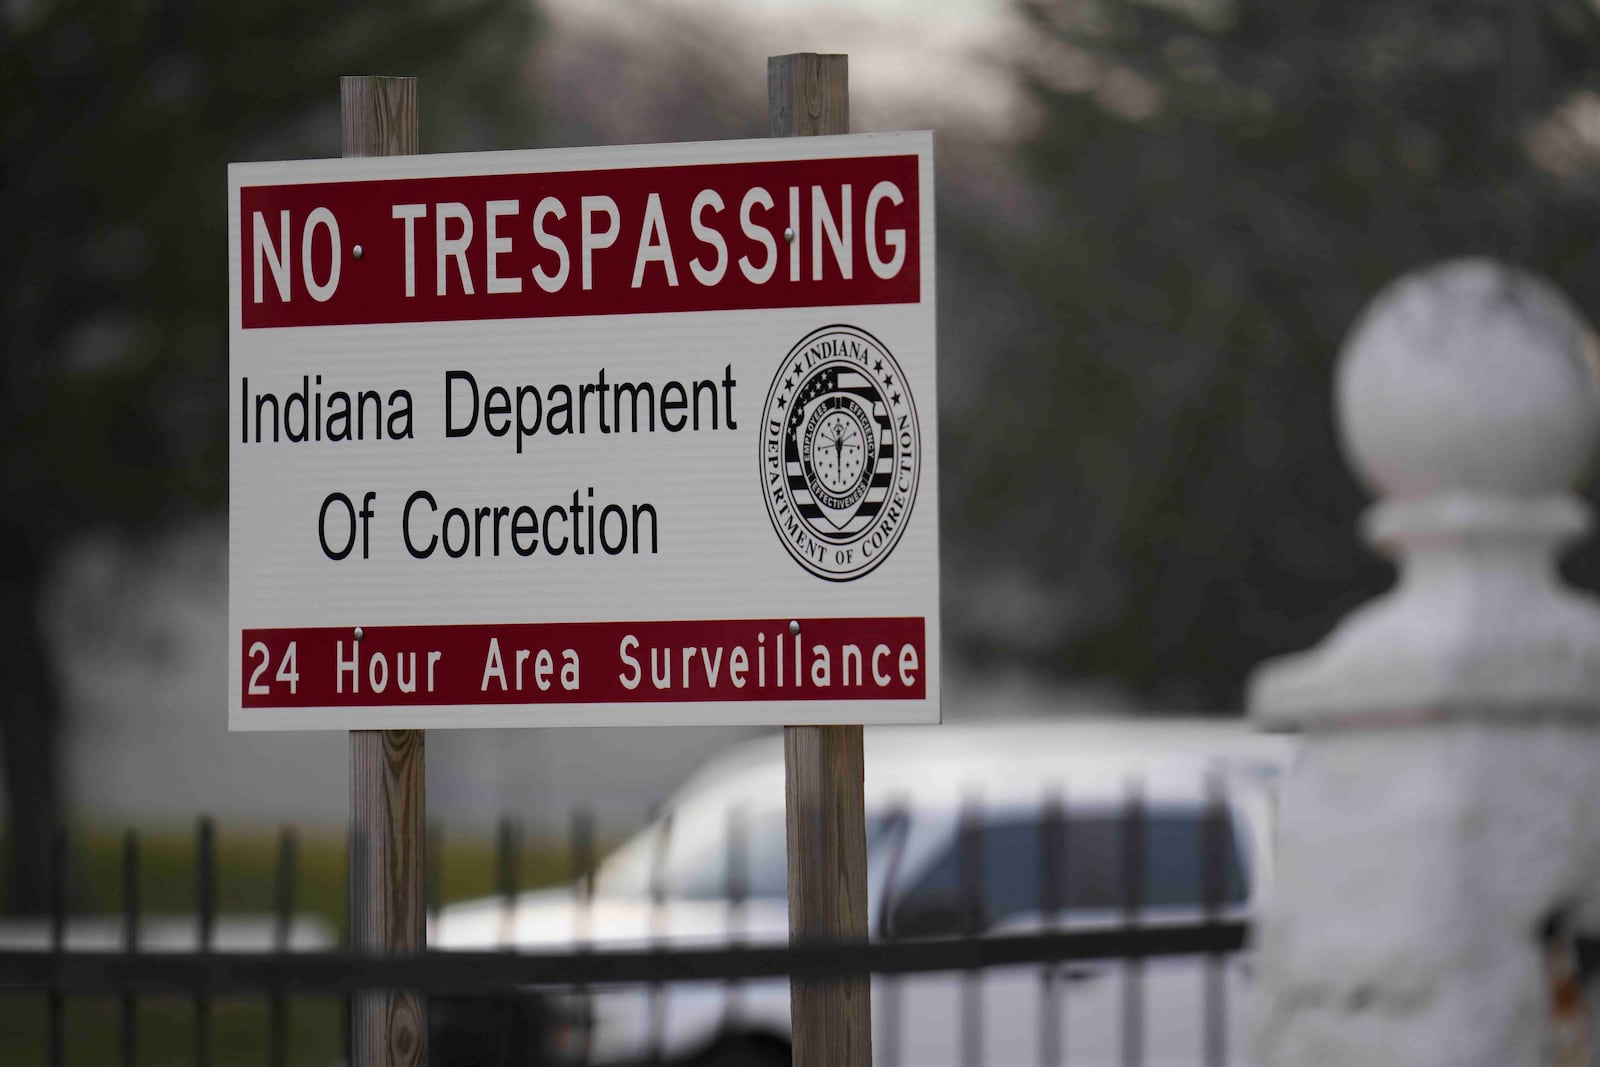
[(840, 453)]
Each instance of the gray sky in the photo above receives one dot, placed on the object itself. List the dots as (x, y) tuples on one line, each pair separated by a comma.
[(927, 62)]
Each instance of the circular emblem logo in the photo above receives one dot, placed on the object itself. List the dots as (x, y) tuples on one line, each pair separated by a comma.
[(840, 453)]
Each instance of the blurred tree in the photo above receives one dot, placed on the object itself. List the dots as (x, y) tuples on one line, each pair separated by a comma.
[(117, 123), (1221, 186)]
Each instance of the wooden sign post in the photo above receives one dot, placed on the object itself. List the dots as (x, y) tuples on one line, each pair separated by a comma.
[(388, 794), (824, 772)]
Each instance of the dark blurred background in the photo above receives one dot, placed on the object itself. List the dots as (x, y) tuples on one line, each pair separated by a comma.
[(1157, 220)]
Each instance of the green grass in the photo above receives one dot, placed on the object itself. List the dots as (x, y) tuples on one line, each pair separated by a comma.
[(246, 876), (166, 1031)]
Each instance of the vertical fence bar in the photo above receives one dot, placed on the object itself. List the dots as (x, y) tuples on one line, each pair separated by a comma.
[(888, 1018), (130, 942), (737, 888), (508, 880), (434, 875), (282, 926), (1052, 898), (656, 1023), (1216, 829), (56, 1010), (433, 886), (347, 1014), (970, 860), (583, 863), (1133, 878), (580, 837), (507, 862), (205, 911)]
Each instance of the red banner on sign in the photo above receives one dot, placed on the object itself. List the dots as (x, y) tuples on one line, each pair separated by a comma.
[(584, 663), (715, 237)]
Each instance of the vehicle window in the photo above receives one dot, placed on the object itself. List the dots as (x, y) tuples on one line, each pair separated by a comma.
[(704, 872), (1089, 873), (697, 866)]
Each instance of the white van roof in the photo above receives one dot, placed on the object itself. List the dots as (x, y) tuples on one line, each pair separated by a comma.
[(1098, 756)]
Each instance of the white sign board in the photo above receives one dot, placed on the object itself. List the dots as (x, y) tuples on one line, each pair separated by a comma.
[(640, 435)]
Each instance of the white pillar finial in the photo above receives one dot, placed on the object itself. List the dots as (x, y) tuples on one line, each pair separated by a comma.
[(1469, 401)]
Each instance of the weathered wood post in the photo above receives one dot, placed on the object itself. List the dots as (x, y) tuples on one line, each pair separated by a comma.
[(1445, 812), (808, 94), (388, 796)]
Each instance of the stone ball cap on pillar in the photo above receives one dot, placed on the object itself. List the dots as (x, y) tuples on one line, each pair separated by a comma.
[(1469, 400), (1469, 376)]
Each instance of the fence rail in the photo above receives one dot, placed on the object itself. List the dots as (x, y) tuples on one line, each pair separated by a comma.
[(1093, 885), (468, 973), (1091, 875)]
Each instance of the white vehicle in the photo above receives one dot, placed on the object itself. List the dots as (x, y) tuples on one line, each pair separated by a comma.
[(711, 871)]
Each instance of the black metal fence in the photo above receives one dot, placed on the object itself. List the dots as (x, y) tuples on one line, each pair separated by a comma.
[(1043, 890)]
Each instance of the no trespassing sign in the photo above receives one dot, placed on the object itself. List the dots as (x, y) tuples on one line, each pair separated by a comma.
[(640, 435)]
